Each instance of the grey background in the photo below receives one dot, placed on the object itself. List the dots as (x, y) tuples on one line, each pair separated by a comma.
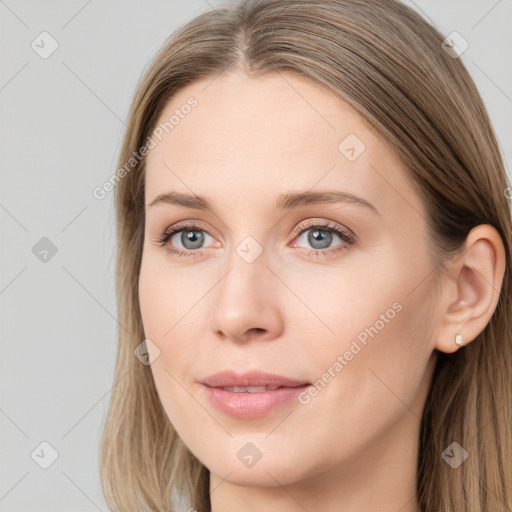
[(61, 123)]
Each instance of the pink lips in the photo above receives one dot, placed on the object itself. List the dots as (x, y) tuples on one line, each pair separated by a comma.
[(254, 378), (250, 404)]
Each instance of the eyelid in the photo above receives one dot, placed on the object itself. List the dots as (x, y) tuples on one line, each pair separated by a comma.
[(325, 224), (346, 235), (180, 227), (183, 226), (302, 226)]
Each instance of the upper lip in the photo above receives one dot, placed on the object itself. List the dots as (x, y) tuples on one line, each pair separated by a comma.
[(254, 378)]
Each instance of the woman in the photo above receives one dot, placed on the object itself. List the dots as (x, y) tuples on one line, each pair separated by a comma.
[(313, 271)]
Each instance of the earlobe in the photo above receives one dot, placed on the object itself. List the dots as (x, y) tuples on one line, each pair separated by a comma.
[(471, 289)]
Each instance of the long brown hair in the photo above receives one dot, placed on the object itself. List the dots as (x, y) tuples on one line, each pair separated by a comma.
[(388, 63)]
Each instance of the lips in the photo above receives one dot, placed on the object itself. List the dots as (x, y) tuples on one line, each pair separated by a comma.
[(251, 395), (249, 389), (251, 381)]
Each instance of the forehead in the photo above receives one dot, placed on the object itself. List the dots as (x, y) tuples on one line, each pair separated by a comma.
[(264, 135), (237, 116)]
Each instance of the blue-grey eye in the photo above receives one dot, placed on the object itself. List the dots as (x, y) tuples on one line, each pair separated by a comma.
[(318, 238), (191, 239)]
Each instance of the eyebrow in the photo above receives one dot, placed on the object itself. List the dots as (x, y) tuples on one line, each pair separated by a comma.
[(286, 201)]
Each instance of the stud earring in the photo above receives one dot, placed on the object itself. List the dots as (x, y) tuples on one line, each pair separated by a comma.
[(458, 340)]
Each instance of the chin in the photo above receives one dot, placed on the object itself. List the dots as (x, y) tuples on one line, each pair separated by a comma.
[(271, 470)]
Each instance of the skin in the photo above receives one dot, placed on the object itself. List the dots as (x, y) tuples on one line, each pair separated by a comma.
[(291, 312)]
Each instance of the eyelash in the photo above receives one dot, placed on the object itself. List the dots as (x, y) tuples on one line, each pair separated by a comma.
[(348, 238)]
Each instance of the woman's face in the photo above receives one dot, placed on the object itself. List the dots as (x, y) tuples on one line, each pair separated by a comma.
[(276, 275)]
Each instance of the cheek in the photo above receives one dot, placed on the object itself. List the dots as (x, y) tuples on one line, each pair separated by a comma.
[(375, 322), (151, 301), (159, 305), (166, 298), (372, 374), (382, 349), (169, 309), (359, 302)]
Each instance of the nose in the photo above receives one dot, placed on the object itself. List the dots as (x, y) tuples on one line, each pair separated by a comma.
[(246, 302)]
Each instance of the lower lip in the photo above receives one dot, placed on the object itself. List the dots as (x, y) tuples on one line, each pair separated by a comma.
[(251, 405)]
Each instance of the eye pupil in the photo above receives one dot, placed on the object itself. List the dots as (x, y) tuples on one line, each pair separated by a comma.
[(319, 237), (316, 236), (192, 236)]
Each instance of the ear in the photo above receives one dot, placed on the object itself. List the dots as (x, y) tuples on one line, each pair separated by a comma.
[(470, 288)]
